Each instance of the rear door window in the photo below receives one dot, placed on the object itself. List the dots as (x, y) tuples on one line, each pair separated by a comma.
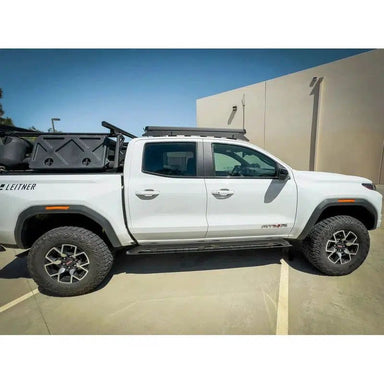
[(170, 159)]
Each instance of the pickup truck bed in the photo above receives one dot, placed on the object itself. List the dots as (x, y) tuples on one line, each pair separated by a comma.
[(96, 196)]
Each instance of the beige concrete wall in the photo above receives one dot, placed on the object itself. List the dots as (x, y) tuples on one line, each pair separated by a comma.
[(288, 119), (216, 111), (350, 123)]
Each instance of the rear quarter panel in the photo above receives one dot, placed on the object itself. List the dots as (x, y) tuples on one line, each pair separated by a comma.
[(101, 193)]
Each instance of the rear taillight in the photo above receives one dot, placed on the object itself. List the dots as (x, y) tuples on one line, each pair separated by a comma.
[(370, 186)]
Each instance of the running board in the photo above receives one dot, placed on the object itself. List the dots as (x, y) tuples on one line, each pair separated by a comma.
[(206, 247)]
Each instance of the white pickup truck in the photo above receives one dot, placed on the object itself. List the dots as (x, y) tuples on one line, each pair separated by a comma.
[(76, 199)]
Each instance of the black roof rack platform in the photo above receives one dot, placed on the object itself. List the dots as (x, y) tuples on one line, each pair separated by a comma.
[(237, 134)]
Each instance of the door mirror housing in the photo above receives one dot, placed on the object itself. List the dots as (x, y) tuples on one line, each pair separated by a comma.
[(282, 173)]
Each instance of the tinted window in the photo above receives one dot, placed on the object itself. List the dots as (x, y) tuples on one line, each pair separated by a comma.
[(174, 159), (237, 161)]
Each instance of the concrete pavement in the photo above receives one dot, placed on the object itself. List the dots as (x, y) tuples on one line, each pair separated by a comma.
[(212, 293)]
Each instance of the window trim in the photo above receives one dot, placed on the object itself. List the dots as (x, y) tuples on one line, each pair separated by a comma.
[(210, 164), (199, 159)]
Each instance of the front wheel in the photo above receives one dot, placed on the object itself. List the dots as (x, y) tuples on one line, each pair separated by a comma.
[(337, 245), (68, 261)]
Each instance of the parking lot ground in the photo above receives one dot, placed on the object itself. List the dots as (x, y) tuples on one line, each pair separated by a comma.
[(203, 293), (341, 305), (14, 276)]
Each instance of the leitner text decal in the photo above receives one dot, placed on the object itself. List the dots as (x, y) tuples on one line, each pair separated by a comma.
[(17, 187)]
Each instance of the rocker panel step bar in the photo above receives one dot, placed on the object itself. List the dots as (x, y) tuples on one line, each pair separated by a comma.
[(206, 247)]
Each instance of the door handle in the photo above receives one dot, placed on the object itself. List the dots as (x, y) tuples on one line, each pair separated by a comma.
[(222, 193), (147, 193)]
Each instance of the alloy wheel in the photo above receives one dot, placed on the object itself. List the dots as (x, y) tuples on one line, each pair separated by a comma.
[(342, 246), (66, 264)]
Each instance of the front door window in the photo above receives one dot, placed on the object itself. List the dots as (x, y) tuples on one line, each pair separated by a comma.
[(237, 161)]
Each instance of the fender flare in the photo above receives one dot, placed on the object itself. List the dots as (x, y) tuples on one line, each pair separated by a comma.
[(332, 203), (72, 209)]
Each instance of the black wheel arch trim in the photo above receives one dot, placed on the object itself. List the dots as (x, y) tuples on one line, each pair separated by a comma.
[(73, 209), (332, 203)]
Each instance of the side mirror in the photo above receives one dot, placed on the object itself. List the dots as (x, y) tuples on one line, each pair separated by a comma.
[(282, 173)]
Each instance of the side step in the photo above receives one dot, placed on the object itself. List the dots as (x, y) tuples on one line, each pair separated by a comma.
[(206, 247)]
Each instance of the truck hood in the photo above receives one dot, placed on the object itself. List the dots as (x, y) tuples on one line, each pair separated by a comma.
[(328, 177)]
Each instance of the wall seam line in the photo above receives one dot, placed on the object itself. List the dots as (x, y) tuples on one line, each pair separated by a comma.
[(265, 109)]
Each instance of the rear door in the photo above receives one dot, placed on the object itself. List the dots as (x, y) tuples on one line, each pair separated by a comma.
[(165, 191), (244, 197)]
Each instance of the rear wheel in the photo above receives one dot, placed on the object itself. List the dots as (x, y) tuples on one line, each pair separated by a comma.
[(337, 245), (68, 261)]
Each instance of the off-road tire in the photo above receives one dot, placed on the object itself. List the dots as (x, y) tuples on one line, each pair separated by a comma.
[(98, 253), (314, 246)]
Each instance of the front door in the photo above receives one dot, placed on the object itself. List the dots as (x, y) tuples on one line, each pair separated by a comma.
[(166, 194), (244, 197)]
